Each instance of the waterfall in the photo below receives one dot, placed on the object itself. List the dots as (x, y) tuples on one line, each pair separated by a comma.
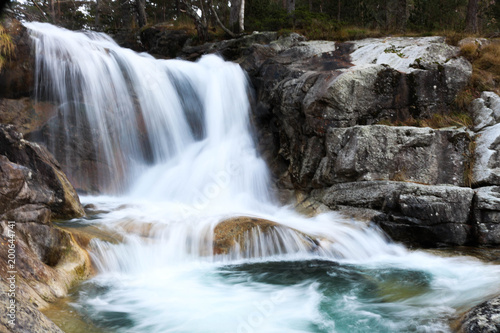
[(167, 146), (188, 118)]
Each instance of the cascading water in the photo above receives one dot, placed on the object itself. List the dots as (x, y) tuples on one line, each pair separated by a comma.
[(171, 140)]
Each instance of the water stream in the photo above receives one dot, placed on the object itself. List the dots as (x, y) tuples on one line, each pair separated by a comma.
[(172, 154)]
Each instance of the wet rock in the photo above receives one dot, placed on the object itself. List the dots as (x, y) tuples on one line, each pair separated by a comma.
[(29, 319), (17, 77), (412, 213), (48, 263), (483, 318), (253, 237), (26, 115), (32, 181)]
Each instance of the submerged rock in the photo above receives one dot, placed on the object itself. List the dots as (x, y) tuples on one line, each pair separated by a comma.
[(253, 237)]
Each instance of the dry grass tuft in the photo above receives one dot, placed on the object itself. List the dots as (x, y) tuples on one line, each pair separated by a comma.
[(435, 121), (6, 46)]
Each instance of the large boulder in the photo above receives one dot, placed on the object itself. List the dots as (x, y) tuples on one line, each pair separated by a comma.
[(412, 213), (33, 185), (307, 88), (379, 152), (253, 237)]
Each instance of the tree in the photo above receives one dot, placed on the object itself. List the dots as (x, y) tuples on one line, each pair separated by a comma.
[(200, 21), (290, 6), (141, 12), (471, 18), (237, 15)]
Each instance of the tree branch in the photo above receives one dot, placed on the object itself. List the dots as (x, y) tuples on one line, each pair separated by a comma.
[(41, 11), (226, 30)]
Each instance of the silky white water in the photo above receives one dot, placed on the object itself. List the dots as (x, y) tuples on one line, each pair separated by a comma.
[(175, 142)]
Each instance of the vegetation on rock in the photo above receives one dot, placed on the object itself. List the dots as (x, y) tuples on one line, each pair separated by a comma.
[(6, 46)]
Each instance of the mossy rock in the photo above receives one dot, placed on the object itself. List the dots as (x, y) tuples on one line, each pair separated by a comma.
[(234, 231)]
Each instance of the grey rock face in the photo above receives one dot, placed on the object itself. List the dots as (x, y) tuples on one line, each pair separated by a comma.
[(416, 214), (313, 88), (486, 111), (487, 215), (377, 152)]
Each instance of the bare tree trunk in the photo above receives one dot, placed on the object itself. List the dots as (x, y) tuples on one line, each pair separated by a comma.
[(226, 30), (234, 15), (199, 22), (471, 18), (290, 6), (141, 12), (242, 16), (97, 10), (402, 16), (338, 12), (52, 10), (125, 14)]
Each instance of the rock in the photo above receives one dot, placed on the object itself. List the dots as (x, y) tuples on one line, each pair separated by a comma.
[(48, 263), (310, 87), (415, 214), (160, 41), (231, 49), (24, 114), (486, 169), (486, 116), (17, 77), (29, 319), (480, 42), (487, 215), (378, 152), (483, 318), (485, 110), (252, 237), (33, 182)]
